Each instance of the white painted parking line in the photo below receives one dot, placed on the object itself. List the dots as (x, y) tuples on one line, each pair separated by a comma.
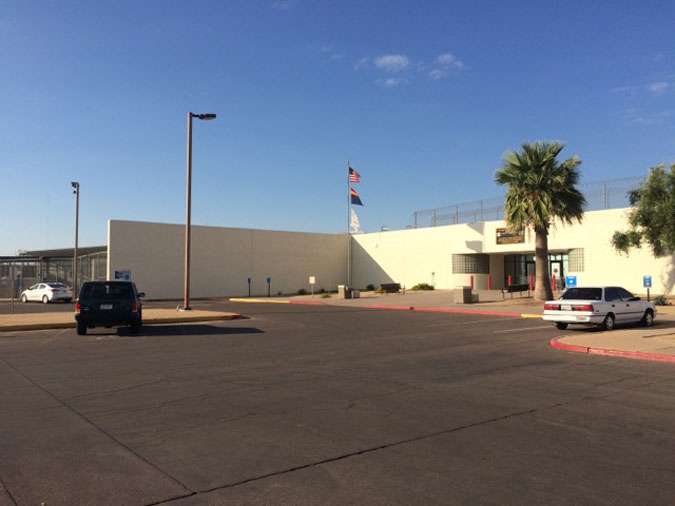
[(523, 328), (482, 320)]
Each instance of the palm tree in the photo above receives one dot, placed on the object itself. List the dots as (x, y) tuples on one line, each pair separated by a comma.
[(540, 189)]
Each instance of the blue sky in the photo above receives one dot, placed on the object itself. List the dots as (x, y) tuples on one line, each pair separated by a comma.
[(422, 97)]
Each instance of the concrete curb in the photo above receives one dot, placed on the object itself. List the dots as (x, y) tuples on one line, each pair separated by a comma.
[(393, 308), (655, 357), (146, 321)]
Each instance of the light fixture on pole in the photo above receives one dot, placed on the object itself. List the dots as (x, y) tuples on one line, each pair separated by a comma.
[(186, 285), (76, 191)]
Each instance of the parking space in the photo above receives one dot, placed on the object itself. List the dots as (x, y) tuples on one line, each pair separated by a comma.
[(330, 405)]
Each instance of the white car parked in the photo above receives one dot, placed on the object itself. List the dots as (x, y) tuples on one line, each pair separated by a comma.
[(601, 306), (47, 292)]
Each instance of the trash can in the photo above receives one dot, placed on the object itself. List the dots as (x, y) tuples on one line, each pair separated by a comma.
[(344, 292), (463, 295)]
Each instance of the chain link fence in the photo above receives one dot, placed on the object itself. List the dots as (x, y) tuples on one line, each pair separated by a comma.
[(17, 273), (605, 194)]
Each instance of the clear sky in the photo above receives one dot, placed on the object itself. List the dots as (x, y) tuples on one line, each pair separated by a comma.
[(423, 97)]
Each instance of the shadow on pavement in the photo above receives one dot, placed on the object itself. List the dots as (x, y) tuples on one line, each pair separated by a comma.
[(187, 330)]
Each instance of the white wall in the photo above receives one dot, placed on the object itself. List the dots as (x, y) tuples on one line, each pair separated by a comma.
[(223, 258), (410, 256)]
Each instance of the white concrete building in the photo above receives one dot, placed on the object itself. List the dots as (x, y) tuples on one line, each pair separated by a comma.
[(224, 258)]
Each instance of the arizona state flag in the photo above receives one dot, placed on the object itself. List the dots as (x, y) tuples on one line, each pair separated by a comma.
[(356, 200)]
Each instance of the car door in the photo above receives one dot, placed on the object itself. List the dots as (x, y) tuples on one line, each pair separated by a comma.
[(615, 304), (634, 308), (30, 292), (39, 292)]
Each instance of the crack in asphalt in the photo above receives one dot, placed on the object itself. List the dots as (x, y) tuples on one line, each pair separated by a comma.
[(9, 494), (97, 427), (108, 392), (351, 454)]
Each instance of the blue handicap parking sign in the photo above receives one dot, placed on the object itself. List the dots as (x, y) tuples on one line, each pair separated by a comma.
[(570, 281), (268, 280), (647, 281)]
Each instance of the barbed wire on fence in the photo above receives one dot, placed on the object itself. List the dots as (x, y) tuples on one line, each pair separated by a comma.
[(603, 194)]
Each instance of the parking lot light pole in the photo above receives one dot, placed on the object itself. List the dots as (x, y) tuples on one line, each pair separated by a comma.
[(76, 191), (186, 285)]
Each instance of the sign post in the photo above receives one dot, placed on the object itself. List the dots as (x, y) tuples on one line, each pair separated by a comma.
[(312, 280), (249, 287), (269, 281), (647, 283)]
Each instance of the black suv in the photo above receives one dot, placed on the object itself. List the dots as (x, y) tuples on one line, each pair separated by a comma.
[(108, 304)]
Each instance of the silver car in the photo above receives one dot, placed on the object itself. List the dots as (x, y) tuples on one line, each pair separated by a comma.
[(602, 306), (47, 292)]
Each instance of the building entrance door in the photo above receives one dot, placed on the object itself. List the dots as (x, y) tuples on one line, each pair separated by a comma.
[(557, 271)]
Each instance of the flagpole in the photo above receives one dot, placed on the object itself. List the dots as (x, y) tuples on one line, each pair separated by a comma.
[(349, 237)]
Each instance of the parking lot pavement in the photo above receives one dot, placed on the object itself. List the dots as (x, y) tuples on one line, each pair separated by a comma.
[(331, 405)]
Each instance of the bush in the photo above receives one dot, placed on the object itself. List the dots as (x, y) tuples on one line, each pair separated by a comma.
[(325, 295), (302, 291), (370, 287), (422, 286), (661, 300)]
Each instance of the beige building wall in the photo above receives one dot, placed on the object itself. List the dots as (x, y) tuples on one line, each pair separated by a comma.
[(223, 258), (425, 255)]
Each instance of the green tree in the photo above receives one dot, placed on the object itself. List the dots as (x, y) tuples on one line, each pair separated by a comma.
[(652, 217), (539, 190)]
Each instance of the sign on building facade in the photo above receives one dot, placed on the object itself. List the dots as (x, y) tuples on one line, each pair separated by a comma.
[(506, 237)]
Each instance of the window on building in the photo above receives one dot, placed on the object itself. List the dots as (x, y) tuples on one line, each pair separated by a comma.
[(576, 260), (471, 264)]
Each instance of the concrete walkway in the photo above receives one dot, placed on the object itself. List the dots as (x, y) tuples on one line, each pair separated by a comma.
[(61, 320)]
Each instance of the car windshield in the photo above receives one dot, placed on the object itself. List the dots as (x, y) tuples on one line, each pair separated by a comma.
[(583, 294), (107, 291)]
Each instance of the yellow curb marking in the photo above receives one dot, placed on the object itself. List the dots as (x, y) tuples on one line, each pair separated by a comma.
[(528, 315), (262, 301)]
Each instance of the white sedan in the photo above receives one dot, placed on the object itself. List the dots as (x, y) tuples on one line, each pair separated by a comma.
[(601, 306), (47, 292)]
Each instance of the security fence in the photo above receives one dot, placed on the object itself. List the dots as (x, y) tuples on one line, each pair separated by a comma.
[(605, 194), (20, 272)]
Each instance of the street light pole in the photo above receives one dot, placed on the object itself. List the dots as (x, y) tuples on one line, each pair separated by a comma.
[(76, 191), (188, 206)]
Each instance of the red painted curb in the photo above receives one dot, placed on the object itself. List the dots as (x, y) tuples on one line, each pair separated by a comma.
[(637, 355), (567, 347)]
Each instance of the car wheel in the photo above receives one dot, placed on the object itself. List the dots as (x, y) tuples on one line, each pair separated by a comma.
[(81, 329), (648, 318), (45, 299), (561, 325), (24, 299), (608, 323)]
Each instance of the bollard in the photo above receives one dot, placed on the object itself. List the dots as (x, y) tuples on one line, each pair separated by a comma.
[(531, 283), (471, 279), (509, 280), (489, 281)]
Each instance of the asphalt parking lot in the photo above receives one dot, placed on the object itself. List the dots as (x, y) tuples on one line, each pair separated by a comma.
[(330, 405)]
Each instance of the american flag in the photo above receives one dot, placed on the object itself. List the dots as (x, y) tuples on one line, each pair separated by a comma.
[(354, 177)]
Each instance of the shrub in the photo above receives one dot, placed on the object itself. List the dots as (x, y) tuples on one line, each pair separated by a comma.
[(325, 295), (370, 287), (422, 286), (661, 300), (302, 291)]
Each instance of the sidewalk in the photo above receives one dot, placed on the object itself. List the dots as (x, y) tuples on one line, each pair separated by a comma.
[(41, 321), (653, 343)]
